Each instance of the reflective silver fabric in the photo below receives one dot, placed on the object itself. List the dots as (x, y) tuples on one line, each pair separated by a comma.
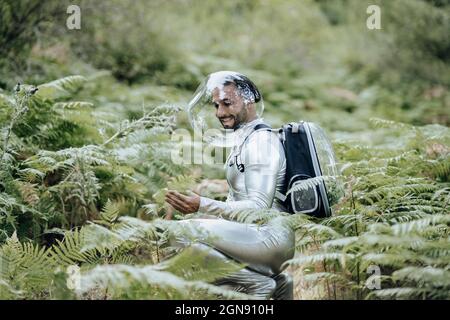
[(263, 248), (262, 155)]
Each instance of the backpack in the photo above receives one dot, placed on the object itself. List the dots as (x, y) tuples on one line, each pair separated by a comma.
[(309, 154)]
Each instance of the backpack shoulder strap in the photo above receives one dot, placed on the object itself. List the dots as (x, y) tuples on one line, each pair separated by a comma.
[(278, 194), (256, 128), (262, 126)]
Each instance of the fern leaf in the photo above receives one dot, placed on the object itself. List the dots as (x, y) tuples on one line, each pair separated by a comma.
[(60, 87), (191, 265), (399, 293), (420, 224), (73, 105), (320, 257), (341, 242), (428, 275), (110, 212), (155, 284), (69, 251)]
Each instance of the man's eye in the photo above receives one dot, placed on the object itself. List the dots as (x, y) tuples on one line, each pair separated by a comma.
[(227, 103), (216, 105)]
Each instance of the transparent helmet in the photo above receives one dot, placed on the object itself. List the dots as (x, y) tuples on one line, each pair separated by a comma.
[(221, 105), (328, 164)]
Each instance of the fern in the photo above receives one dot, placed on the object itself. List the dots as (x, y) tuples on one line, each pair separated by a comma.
[(80, 177), (400, 293), (61, 87), (26, 269), (391, 217), (321, 257), (191, 265), (73, 105), (161, 118), (109, 213), (419, 224), (255, 216), (69, 251), (148, 283)]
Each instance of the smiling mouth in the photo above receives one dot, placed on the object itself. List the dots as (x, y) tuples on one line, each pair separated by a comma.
[(226, 120)]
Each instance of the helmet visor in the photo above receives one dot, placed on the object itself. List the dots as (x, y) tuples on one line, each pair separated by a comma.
[(221, 105)]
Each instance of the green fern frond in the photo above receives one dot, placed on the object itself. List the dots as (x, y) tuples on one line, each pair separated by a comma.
[(395, 191), (134, 229), (399, 293), (7, 292), (29, 192), (61, 87), (31, 175), (420, 224), (306, 184), (407, 241), (27, 267), (439, 169), (99, 238), (340, 242), (110, 212), (69, 251), (396, 259), (196, 265), (320, 257), (116, 243), (73, 105), (259, 216), (436, 277), (319, 230), (148, 283)]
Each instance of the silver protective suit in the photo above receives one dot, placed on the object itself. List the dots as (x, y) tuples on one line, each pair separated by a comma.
[(263, 248), (264, 162)]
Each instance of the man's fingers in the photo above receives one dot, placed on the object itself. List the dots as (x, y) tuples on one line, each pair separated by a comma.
[(175, 205), (178, 195), (171, 194), (185, 204), (174, 197), (175, 202)]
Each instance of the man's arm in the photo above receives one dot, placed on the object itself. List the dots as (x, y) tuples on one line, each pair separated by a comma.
[(262, 158)]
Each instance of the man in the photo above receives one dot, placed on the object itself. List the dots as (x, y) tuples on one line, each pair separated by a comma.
[(255, 172)]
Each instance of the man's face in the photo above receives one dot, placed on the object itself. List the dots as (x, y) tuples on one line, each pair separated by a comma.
[(230, 106)]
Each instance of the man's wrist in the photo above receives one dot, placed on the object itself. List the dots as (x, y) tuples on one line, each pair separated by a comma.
[(203, 204)]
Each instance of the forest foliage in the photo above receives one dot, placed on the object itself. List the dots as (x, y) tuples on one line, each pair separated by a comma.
[(86, 142)]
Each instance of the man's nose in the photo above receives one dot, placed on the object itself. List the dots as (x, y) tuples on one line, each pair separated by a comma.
[(220, 111)]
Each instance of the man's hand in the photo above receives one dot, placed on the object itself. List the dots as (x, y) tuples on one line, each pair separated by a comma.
[(182, 203)]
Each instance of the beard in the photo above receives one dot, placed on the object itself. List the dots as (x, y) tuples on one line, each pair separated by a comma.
[(228, 122), (234, 121)]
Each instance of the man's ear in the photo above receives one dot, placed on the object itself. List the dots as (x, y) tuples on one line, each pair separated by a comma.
[(251, 108)]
